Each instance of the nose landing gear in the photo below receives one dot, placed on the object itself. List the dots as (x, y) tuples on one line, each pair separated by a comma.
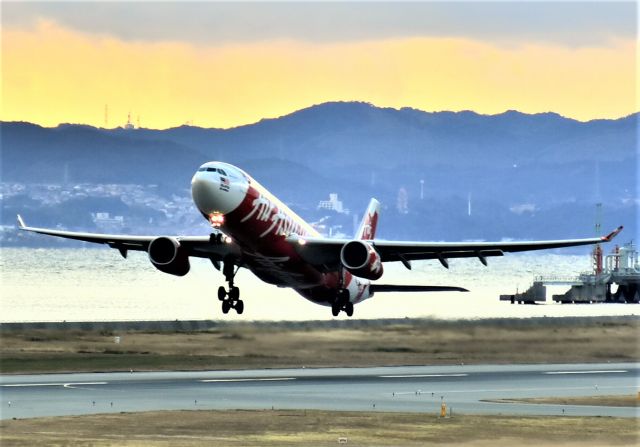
[(230, 299)]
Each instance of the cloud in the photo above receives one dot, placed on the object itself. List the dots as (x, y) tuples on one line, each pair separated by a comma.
[(199, 23), (52, 74)]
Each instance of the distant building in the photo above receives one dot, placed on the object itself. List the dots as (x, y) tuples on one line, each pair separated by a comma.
[(523, 208), (106, 222), (333, 204)]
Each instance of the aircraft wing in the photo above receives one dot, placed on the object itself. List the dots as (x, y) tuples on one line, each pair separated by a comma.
[(197, 246), (326, 252)]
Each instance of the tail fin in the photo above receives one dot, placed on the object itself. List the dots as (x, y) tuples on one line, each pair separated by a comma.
[(369, 224)]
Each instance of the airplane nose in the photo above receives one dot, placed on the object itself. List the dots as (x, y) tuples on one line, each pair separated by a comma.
[(213, 193), (204, 191)]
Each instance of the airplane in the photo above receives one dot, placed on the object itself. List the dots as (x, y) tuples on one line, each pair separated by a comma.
[(252, 229)]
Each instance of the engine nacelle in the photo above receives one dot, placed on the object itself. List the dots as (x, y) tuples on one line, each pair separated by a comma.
[(361, 259), (167, 255)]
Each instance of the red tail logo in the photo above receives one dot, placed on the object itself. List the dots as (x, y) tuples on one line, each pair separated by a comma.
[(369, 226), (367, 230)]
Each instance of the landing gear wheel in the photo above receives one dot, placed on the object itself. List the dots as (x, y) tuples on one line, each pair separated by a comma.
[(226, 305), (335, 309), (222, 293), (239, 307), (630, 292), (234, 293), (348, 308)]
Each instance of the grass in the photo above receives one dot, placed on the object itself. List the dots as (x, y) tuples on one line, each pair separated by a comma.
[(316, 428), (607, 401), (260, 345)]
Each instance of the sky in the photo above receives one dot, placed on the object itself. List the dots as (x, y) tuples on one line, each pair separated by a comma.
[(214, 64)]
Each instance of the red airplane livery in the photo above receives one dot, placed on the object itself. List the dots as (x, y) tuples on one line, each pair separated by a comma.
[(255, 230)]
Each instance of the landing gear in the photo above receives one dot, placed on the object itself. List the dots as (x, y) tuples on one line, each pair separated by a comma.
[(348, 308), (230, 299), (342, 303), (630, 293), (239, 307), (216, 238)]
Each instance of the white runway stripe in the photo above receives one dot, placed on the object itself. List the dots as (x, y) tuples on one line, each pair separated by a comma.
[(608, 371), (66, 385), (422, 375), (258, 379)]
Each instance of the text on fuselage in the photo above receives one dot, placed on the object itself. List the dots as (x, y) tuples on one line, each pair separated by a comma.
[(263, 210)]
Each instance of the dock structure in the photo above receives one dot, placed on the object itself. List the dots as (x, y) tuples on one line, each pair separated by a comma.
[(614, 279)]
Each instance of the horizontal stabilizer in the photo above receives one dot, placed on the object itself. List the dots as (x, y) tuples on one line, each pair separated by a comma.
[(394, 288)]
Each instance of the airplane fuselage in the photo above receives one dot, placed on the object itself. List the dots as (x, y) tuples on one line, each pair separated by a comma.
[(259, 224)]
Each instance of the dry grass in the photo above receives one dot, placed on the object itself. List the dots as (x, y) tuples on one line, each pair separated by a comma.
[(315, 428), (246, 345), (607, 401)]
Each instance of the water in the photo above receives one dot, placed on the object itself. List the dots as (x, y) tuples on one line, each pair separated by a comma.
[(96, 284)]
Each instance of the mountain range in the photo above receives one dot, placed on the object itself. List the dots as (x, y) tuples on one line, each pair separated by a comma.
[(358, 150)]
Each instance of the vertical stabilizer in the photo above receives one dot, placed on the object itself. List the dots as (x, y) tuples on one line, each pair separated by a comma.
[(369, 222)]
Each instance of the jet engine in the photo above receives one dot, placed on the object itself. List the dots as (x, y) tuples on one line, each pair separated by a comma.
[(167, 255), (361, 259)]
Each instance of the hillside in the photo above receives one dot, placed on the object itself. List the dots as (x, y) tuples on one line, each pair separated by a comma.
[(543, 161)]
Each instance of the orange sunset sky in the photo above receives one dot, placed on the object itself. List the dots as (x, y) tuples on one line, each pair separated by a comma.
[(224, 65)]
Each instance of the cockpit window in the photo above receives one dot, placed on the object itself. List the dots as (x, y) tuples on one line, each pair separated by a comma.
[(211, 169), (202, 169), (220, 171)]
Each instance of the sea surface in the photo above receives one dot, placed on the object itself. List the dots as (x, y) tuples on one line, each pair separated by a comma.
[(97, 284)]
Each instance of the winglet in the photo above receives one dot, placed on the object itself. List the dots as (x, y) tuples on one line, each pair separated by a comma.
[(613, 234), (21, 224)]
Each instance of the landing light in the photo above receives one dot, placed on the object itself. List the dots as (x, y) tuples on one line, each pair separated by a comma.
[(302, 241), (216, 219)]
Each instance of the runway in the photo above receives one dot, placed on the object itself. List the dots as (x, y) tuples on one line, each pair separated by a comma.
[(464, 388)]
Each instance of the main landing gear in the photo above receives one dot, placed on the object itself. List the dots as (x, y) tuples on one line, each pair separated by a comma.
[(342, 303), (230, 299)]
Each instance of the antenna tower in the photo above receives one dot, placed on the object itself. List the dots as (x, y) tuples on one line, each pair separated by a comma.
[(597, 249)]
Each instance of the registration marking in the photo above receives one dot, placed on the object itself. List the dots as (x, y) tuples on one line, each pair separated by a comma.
[(256, 379), (608, 371), (405, 376)]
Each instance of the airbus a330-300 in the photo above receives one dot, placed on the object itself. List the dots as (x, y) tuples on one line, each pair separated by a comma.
[(255, 230)]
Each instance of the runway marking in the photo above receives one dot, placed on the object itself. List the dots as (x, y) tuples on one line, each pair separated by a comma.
[(257, 379), (404, 376), (608, 371), (64, 385), (502, 390), (79, 385)]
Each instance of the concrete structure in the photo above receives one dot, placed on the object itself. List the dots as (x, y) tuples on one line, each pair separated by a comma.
[(616, 280)]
